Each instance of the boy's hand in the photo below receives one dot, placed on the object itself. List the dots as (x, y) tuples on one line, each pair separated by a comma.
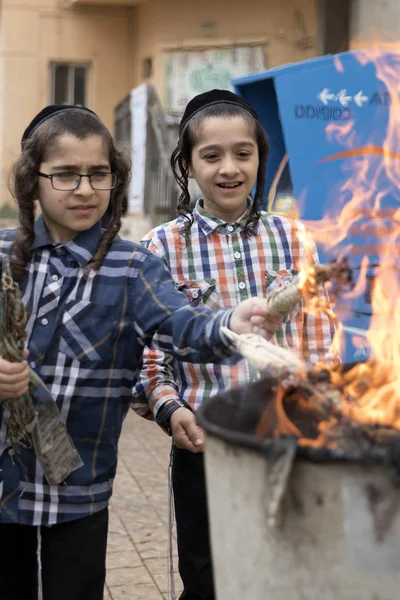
[(14, 378), (186, 433), (251, 316)]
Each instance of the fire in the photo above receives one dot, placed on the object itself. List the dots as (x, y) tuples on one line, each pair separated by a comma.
[(338, 64), (367, 395)]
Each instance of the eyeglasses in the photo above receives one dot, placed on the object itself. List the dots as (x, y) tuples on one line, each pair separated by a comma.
[(68, 182)]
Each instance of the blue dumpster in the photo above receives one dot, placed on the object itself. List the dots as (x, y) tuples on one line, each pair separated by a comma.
[(325, 118)]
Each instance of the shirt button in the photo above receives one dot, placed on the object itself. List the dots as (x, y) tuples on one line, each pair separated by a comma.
[(237, 255), (242, 285), (44, 321), (32, 364), (54, 277), (230, 228), (195, 294)]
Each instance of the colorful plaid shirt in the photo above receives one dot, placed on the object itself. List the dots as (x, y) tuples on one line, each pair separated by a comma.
[(86, 336), (221, 265)]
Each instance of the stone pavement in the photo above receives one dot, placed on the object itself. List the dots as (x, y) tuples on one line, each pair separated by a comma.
[(137, 557)]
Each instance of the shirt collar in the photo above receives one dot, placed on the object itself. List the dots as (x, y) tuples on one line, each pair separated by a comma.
[(209, 223), (83, 247)]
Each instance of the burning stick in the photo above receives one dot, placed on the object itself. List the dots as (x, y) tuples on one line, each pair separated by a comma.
[(34, 418), (264, 355), (279, 363), (306, 286)]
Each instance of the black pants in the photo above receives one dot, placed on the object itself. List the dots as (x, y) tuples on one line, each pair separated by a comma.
[(195, 567), (73, 557)]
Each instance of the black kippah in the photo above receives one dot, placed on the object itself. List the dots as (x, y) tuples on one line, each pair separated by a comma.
[(46, 113), (214, 97)]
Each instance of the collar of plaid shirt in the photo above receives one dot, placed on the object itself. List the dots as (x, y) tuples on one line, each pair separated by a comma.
[(86, 336), (209, 223), (82, 248)]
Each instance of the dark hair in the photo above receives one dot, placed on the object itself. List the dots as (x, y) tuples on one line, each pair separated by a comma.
[(23, 185), (182, 157)]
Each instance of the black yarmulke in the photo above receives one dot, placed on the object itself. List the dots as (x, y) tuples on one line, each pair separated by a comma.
[(46, 113), (214, 97)]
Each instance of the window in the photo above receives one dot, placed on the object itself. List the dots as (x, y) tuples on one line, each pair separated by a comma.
[(68, 83)]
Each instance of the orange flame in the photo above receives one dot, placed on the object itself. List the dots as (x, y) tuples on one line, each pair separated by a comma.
[(370, 391), (338, 64)]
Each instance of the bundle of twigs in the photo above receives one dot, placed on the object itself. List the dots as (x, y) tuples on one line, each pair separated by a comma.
[(34, 418), (270, 358), (265, 356), (306, 286), (12, 336)]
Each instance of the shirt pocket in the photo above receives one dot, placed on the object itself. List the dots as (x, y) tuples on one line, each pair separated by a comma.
[(200, 292), (276, 280), (88, 331)]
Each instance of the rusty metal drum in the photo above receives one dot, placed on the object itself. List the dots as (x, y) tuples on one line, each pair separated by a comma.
[(333, 533)]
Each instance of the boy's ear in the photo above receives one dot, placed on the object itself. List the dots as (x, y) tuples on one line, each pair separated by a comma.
[(188, 169)]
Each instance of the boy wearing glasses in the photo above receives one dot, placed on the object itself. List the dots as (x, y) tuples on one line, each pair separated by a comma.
[(93, 302)]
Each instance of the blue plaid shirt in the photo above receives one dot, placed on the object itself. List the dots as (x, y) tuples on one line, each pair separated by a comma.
[(85, 337)]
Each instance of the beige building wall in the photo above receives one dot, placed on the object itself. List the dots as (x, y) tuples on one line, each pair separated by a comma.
[(374, 21), (283, 25), (37, 32), (115, 39)]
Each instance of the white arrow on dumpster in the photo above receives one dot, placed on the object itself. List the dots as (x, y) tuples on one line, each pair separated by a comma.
[(325, 95), (359, 99), (343, 99)]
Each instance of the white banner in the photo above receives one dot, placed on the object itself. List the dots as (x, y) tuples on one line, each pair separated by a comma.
[(138, 148), (193, 72)]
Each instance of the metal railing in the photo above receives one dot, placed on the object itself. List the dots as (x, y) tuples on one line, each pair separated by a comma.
[(161, 189), (161, 193)]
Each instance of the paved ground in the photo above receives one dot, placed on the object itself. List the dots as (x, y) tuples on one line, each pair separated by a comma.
[(137, 564), (137, 558)]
